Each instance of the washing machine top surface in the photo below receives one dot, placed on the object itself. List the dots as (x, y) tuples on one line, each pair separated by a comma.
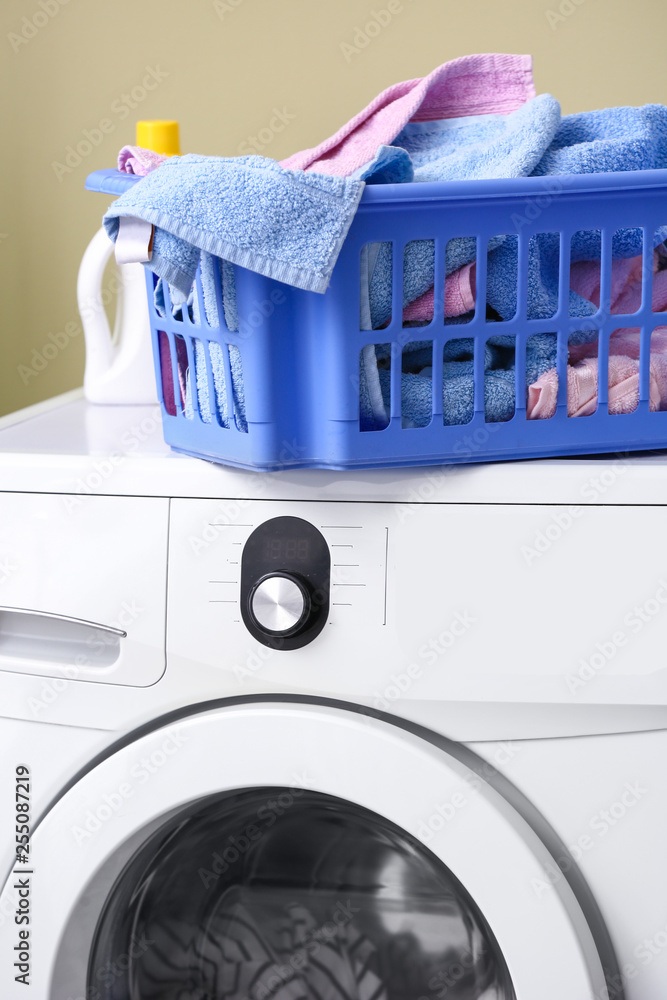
[(68, 445)]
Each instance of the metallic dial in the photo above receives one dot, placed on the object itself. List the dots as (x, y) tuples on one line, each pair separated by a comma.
[(279, 604)]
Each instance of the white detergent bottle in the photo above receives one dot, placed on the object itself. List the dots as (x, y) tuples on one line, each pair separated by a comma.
[(119, 367)]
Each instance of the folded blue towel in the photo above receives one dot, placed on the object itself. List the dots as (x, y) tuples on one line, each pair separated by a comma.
[(457, 149), (482, 145), (392, 165), (542, 286), (532, 140), (210, 268), (213, 272), (286, 224), (592, 142), (608, 140), (458, 388), (226, 416), (418, 272), (457, 395)]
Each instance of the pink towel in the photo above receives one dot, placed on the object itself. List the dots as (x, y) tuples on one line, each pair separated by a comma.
[(168, 374), (582, 387), (626, 277), (582, 376), (582, 372), (471, 85), (584, 279), (137, 160), (459, 297)]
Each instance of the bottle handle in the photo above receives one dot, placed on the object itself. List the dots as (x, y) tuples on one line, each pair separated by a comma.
[(96, 332)]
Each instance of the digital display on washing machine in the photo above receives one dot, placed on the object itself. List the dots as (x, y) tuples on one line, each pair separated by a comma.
[(287, 549)]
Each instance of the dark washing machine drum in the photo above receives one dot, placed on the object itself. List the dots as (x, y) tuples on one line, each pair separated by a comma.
[(282, 893), (293, 852)]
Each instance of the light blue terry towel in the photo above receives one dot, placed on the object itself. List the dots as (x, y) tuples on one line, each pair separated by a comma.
[(482, 146), (227, 417), (215, 274), (609, 140), (458, 387), (418, 272), (285, 224), (453, 149), (592, 142), (392, 165), (614, 139)]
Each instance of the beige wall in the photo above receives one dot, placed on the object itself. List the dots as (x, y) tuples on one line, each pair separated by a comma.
[(226, 64)]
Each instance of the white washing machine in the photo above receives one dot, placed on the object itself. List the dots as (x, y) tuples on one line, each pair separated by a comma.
[(390, 735)]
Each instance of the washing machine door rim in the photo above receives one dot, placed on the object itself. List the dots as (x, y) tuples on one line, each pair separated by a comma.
[(536, 918)]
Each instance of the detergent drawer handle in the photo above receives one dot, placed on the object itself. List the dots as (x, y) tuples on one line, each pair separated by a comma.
[(65, 618), (48, 640)]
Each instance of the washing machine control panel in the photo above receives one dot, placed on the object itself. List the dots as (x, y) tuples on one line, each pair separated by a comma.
[(285, 582), (257, 586)]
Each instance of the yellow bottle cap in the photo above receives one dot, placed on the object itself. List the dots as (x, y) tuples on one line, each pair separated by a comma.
[(160, 136)]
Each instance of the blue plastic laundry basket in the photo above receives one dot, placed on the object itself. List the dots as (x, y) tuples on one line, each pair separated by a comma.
[(299, 352)]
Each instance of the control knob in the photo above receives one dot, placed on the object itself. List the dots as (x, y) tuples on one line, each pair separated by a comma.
[(279, 604)]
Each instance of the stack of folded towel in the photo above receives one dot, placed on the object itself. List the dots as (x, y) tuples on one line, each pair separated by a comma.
[(475, 117)]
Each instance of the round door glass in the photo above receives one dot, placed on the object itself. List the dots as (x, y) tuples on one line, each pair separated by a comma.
[(291, 895)]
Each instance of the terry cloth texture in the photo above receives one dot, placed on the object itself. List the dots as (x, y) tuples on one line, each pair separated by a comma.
[(285, 224)]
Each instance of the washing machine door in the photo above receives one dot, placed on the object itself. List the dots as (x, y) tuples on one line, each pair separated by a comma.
[(292, 852)]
